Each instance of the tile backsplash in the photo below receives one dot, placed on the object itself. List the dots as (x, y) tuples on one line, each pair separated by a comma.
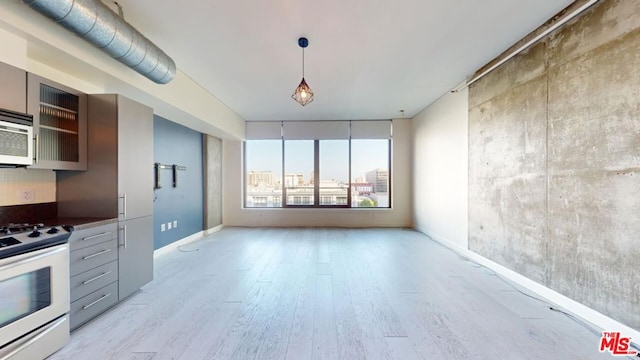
[(27, 186)]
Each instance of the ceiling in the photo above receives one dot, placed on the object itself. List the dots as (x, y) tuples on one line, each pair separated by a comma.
[(367, 59)]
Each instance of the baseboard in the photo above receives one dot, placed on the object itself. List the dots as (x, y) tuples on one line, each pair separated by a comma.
[(174, 245), (187, 240), (567, 304), (214, 229)]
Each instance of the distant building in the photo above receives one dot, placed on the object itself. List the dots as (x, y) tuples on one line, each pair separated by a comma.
[(380, 180), (362, 188), (260, 178), (293, 180)]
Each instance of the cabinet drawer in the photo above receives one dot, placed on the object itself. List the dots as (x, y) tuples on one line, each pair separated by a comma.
[(93, 256), (92, 280), (95, 235), (92, 305)]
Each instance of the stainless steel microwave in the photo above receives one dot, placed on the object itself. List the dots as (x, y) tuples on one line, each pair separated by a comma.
[(16, 138)]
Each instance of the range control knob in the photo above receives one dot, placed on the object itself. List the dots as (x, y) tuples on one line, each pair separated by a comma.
[(35, 232), (53, 230)]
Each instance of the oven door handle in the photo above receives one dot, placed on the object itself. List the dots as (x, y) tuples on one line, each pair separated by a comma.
[(29, 342), (30, 259)]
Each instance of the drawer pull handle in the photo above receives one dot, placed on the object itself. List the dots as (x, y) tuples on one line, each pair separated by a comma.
[(96, 278), (124, 236), (95, 302), (96, 254), (96, 236), (124, 206)]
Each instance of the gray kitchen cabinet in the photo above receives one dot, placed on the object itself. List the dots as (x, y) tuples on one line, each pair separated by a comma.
[(134, 124), (93, 305), (118, 183), (135, 159), (93, 265), (13, 88), (59, 124), (136, 240)]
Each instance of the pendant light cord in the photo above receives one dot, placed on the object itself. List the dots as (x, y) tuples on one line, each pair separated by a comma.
[(303, 63)]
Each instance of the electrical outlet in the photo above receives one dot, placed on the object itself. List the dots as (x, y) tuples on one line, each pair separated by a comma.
[(27, 195), (169, 225), (161, 227), (175, 224)]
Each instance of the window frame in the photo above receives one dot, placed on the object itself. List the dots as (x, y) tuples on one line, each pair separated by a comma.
[(316, 204), (245, 180)]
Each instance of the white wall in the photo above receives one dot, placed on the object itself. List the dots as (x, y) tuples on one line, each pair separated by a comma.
[(440, 169), (398, 216), (34, 43), (40, 46)]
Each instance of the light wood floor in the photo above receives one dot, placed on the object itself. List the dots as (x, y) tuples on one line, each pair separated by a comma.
[(327, 294)]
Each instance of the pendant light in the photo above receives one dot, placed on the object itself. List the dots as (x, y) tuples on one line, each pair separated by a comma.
[(303, 94)]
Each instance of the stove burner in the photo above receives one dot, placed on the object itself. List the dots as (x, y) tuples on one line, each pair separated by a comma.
[(53, 230), (13, 228), (35, 233), (8, 242)]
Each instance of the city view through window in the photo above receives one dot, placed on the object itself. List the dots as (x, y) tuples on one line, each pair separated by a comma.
[(268, 186)]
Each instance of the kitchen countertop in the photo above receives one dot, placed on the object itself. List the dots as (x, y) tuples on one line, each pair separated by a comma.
[(80, 223)]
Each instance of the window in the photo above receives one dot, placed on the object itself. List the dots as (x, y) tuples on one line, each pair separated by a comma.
[(325, 200), (298, 172), (370, 172), (334, 171), (260, 201), (263, 159), (318, 164)]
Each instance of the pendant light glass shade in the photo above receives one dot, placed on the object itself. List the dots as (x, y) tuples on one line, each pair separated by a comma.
[(303, 94)]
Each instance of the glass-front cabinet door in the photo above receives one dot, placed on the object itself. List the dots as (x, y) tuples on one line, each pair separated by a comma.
[(60, 125)]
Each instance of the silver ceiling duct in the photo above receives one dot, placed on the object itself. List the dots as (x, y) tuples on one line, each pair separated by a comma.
[(96, 23)]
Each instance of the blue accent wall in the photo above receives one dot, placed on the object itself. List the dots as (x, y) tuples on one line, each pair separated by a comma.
[(176, 144)]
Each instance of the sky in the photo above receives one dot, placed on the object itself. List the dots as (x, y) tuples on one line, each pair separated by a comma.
[(334, 161)]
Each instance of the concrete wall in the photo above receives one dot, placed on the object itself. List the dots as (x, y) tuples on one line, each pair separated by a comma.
[(212, 181), (440, 167), (176, 144), (554, 162), (398, 216)]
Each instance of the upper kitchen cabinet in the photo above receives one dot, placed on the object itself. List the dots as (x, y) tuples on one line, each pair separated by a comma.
[(60, 124), (13, 88), (119, 182), (135, 156)]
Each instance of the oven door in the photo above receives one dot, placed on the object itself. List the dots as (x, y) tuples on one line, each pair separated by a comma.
[(35, 291)]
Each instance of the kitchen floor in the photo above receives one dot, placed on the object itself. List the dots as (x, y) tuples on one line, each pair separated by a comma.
[(295, 293)]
